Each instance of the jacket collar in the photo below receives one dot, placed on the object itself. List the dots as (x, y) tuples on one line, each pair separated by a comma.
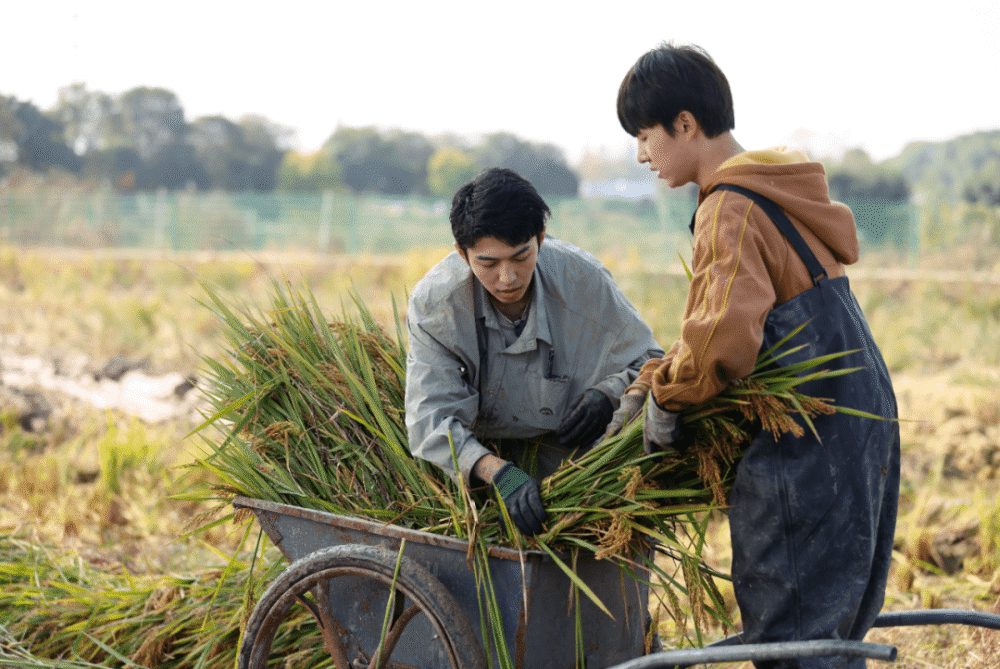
[(537, 326)]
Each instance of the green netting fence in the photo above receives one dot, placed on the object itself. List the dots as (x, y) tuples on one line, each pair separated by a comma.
[(334, 222)]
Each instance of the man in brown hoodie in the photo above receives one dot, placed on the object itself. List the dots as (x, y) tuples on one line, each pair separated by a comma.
[(812, 521)]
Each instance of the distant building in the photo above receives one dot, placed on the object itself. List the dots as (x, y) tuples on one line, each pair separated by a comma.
[(8, 151), (625, 189)]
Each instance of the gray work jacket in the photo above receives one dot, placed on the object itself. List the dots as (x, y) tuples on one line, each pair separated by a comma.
[(462, 379)]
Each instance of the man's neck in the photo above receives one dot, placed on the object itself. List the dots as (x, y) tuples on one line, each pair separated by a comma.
[(712, 153), (514, 310)]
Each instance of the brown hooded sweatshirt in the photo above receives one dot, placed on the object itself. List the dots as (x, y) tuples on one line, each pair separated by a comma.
[(743, 267)]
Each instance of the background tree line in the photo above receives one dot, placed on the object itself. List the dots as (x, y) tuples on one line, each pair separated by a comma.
[(141, 140), (856, 177), (964, 168)]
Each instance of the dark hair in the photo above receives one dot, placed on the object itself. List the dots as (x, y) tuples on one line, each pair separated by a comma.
[(670, 79), (497, 203)]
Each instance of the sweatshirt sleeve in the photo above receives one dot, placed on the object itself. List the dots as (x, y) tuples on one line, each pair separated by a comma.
[(729, 298)]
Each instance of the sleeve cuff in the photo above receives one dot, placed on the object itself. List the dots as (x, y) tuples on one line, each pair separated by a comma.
[(639, 386), (468, 458)]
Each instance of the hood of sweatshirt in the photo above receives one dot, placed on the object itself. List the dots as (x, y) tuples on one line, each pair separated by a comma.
[(799, 187)]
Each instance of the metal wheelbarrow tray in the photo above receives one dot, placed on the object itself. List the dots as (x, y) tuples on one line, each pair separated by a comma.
[(346, 566)]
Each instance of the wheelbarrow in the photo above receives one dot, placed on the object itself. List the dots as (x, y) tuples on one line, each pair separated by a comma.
[(343, 570)]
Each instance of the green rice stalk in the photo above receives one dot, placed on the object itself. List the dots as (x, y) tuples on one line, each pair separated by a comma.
[(577, 581), (389, 606), (581, 655), (489, 608)]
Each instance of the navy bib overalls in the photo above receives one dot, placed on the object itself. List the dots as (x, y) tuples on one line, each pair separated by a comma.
[(812, 522)]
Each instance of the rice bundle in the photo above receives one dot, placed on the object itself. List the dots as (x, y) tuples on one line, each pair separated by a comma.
[(312, 415)]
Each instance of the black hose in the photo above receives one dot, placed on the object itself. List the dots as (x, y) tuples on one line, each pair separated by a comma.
[(910, 618), (937, 617), (781, 650), (732, 649)]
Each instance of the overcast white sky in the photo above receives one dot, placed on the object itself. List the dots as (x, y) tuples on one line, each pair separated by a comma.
[(853, 73)]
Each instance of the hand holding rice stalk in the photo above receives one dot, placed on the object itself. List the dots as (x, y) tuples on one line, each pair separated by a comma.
[(311, 414), (767, 399)]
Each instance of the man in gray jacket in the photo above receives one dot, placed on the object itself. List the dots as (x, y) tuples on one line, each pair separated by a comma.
[(516, 342)]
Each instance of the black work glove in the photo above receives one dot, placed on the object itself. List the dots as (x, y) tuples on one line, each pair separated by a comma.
[(522, 496), (586, 421)]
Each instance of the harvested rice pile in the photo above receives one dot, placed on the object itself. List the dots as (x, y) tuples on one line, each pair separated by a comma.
[(60, 611)]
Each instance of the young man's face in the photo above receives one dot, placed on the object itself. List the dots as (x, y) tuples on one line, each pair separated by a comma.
[(669, 156), (505, 271)]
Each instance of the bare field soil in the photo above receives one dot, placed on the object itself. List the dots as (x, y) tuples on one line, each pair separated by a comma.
[(97, 480)]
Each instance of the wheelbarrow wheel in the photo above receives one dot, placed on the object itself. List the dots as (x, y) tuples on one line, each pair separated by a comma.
[(349, 590)]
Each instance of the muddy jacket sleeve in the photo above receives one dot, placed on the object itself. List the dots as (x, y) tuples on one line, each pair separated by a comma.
[(594, 320), (614, 385), (441, 403)]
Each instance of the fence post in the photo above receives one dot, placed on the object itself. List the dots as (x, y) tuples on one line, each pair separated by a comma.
[(325, 221), (160, 220), (913, 232), (354, 237)]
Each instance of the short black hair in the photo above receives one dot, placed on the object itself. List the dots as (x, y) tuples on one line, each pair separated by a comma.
[(670, 79), (497, 203)]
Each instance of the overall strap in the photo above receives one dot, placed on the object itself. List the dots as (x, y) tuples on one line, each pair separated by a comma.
[(779, 218)]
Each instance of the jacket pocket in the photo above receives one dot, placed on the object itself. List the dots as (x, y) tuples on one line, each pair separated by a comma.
[(553, 400)]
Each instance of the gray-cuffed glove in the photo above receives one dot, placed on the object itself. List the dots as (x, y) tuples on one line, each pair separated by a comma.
[(661, 430), (628, 409)]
